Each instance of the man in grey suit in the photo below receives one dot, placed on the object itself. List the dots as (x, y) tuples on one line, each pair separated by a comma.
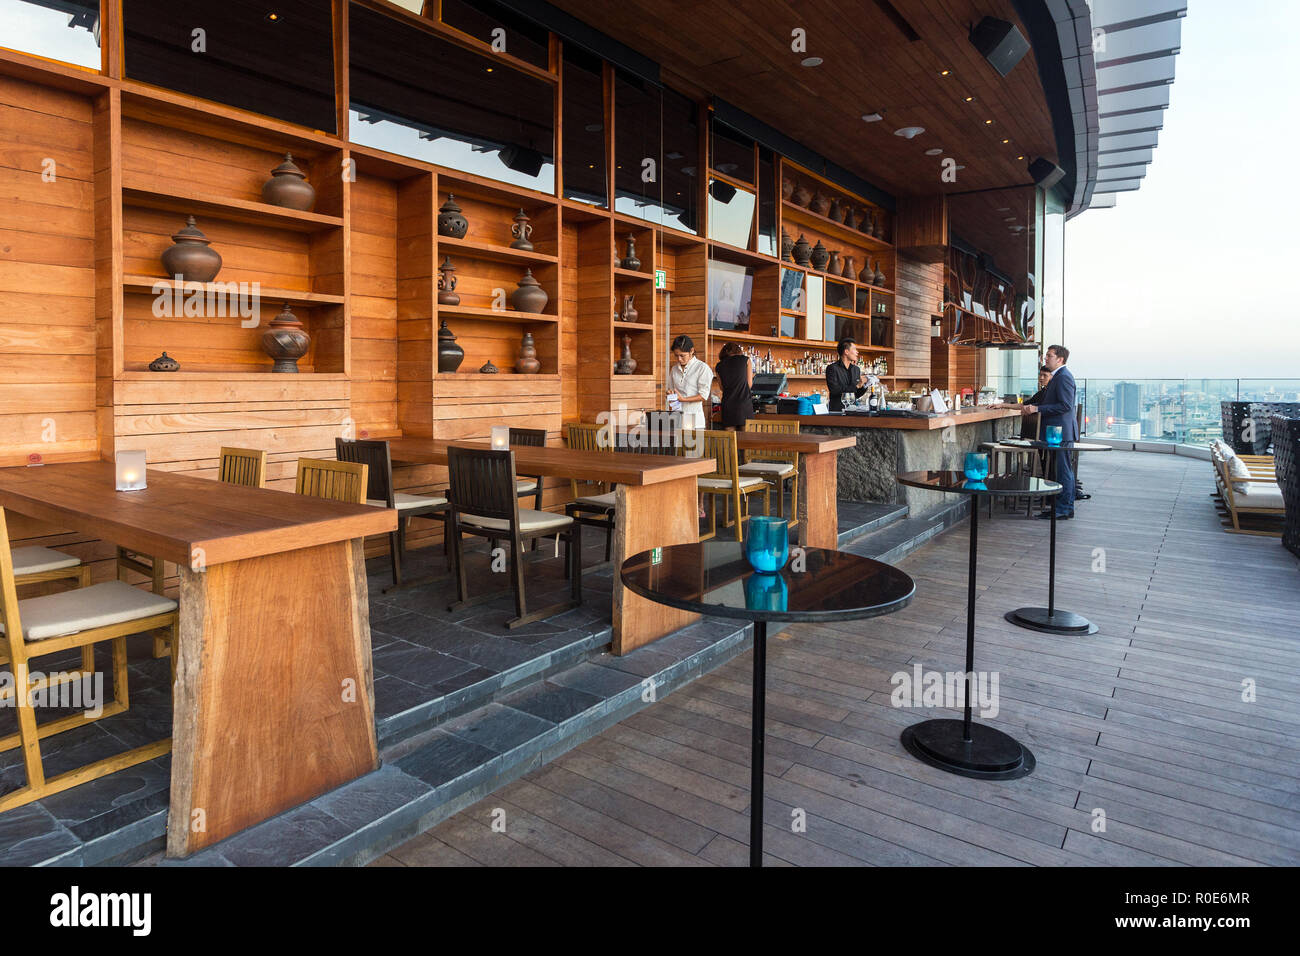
[(1057, 408)]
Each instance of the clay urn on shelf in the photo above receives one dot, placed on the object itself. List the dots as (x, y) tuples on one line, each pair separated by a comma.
[(802, 196), (821, 203), (288, 187), (451, 222), (787, 187), (787, 246), (522, 232), (833, 264), (164, 363), (530, 296), (527, 363), (629, 313), (191, 257), (851, 218), (879, 277), (285, 341), (834, 212), (867, 273), (630, 261), (626, 365), (447, 294), (849, 272), (450, 355), (487, 368), (819, 256), (801, 251)]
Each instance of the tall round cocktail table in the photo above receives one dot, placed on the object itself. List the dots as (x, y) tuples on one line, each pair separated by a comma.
[(962, 746), (1051, 619), (817, 584)]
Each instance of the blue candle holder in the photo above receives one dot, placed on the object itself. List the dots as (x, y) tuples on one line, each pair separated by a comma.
[(1052, 435), (766, 592), (768, 543), (977, 466)]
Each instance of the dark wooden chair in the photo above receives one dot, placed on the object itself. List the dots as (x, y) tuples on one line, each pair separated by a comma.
[(596, 509), (381, 494), (526, 485), (483, 501)]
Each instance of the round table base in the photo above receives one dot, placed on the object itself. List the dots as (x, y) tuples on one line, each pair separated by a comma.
[(989, 754), (1059, 622)]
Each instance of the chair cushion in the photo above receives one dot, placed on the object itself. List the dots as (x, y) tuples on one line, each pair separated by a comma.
[(403, 501), (597, 501), (524, 486), (33, 560), (723, 483), (1237, 469), (781, 468), (529, 520), (69, 612), (1259, 495), (1223, 448)]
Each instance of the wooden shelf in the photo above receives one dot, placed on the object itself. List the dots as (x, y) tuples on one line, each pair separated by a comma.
[(145, 285), (480, 376), (210, 375), (634, 326), (494, 315), (468, 248), (771, 340), (792, 213), (207, 205), (633, 274)]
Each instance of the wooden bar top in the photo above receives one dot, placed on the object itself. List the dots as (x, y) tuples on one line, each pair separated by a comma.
[(621, 468), (805, 443), (966, 417), (190, 521)]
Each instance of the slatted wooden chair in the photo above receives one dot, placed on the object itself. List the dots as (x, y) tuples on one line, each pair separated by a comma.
[(381, 494), (482, 501), (726, 481), (80, 618), (36, 565), (593, 501), (1250, 498), (526, 485), (774, 465), (344, 481)]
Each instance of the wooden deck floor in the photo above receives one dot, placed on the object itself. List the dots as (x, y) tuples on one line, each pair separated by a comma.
[(1144, 721)]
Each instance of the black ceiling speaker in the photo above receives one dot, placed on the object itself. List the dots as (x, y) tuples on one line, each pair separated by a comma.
[(523, 159), (1000, 42), (1045, 172)]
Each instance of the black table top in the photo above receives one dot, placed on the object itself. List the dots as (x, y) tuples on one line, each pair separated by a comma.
[(994, 486), (714, 577), (1063, 446)]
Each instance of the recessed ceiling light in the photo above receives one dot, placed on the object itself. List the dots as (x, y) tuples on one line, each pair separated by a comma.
[(970, 99), (875, 117), (489, 69), (988, 122), (907, 132), (1020, 157), (811, 61), (934, 152), (959, 167), (944, 72), (1005, 141)]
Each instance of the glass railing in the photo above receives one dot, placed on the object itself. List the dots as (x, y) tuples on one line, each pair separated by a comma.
[(1180, 410)]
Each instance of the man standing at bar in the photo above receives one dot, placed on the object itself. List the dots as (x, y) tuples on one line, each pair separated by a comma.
[(844, 376), (1057, 408)]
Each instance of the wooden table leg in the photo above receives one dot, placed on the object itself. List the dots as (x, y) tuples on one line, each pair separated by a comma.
[(274, 695), (819, 521), (650, 516)]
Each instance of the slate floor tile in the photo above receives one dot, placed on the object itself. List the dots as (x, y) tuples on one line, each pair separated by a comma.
[(443, 758), (553, 702), (498, 728)]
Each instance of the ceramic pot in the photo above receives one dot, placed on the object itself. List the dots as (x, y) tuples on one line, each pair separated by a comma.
[(191, 258), (848, 272), (879, 277), (819, 257), (164, 363), (451, 223), (527, 363), (447, 294), (802, 196), (487, 368), (801, 251), (851, 218), (787, 246), (864, 225), (522, 231), (878, 226), (835, 212), (867, 273), (450, 355), (530, 296), (630, 261), (787, 187), (288, 187), (629, 313), (821, 203), (285, 341), (833, 265), (626, 364)]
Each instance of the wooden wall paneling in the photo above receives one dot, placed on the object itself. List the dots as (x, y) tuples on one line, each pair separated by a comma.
[(373, 309), (568, 341), (920, 295), (922, 227), (416, 290), (595, 299), (109, 305)]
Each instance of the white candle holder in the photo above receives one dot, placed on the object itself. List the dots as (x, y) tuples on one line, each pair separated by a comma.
[(130, 470), (500, 437)]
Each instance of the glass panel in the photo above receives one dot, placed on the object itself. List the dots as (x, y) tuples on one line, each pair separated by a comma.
[(1150, 38), (1142, 73), (1126, 157), (792, 289), (815, 299), (680, 170), (730, 292), (498, 26), (731, 213), (767, 189), (1051, 328), (418, 95), (731, 153), (638, 145), (236, 54), (1152, 97), (1111, 144), (67, 31), (1147, 119), (584, 128), (1186, 411)]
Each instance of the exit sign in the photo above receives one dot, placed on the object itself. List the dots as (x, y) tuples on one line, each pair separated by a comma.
[(661, 279)]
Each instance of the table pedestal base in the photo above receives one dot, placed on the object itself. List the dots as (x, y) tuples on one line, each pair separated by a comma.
[(989, 754), (1051, 622)]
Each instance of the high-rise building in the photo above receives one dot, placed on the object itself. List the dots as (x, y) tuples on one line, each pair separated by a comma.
[(1128, 401)]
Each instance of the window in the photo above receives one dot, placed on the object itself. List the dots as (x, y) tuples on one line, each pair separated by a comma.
[(277, 63), (638, 144), (66, 30), (680, 169), (732, 153), (504, 30), (584, 129), (418, 95), (731, 213)]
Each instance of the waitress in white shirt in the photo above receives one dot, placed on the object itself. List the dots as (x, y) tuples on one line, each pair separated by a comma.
[(689, 384)]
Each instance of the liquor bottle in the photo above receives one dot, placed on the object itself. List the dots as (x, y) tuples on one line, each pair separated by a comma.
[(873, 402)]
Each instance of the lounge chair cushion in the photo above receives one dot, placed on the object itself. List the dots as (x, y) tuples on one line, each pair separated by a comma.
[(597, 501), (783, 469), (69, 612), (1259, 495), (529, 521), (722, 484), (1237, 469), (402, 501), (34, 560), (525, 486)]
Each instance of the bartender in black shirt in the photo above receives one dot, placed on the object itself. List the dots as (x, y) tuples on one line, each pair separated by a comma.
[(844, 376)]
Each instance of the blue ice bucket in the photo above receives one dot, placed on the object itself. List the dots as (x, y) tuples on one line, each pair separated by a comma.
[(1053, 435), (768, 543), (977, 466)]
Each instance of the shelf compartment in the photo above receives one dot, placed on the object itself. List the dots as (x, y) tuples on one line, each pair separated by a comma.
[(633, 275), (798, 215), (145, 285), (470, 249), (634, 326), (208, 205), (495, 315)]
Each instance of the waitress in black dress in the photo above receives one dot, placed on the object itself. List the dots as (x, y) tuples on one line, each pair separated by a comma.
[(734, 378)]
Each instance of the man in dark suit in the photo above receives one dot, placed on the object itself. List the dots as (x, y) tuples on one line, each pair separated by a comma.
[(1056, 407)]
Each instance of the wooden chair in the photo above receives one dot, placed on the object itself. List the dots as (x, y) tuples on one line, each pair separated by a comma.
[(596, 507), (483, 501), (242, 466), (344, 481), (381, 494), (80, 618), (775, 466), (725, 480), (526, 485), (35, 565), (1253, 496)]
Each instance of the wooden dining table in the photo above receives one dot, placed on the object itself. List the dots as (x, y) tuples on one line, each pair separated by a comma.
[(655, 506), (273, 702), (818, 508)]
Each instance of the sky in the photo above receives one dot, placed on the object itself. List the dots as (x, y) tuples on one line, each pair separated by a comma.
[(1197, 273)]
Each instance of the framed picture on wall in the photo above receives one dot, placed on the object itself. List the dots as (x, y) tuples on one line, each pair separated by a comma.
[(730, 292)]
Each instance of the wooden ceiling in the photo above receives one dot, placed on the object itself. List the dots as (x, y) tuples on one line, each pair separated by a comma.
[(876, 57)]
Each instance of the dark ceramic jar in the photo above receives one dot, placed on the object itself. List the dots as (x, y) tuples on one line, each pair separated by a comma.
[(450, 355), (527, 364), (191, 258), (285, 341), (801, 251), (530, 296), (288, 187), (451, 223), (819, 256)]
